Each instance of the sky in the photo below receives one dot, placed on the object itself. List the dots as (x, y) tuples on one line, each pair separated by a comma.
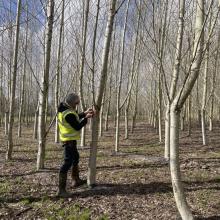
[(8, 11), (5, 7)]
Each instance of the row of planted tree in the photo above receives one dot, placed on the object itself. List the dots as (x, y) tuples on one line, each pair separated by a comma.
[(142, 60)]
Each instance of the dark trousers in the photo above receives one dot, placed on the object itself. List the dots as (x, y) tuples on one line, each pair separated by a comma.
[(71, 156)]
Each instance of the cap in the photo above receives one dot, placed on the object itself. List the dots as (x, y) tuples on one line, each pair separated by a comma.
[(71, 99)]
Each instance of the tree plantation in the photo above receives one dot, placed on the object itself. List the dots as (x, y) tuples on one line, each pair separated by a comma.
[(110, 109)]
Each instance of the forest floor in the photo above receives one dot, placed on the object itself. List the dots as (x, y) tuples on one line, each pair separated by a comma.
[(131, 185)]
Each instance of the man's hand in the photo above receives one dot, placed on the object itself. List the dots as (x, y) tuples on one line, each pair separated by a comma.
[(89, 115), (89, 111)]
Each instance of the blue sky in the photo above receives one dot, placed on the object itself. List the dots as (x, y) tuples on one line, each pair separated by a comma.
[(8, 11), (5, 7)]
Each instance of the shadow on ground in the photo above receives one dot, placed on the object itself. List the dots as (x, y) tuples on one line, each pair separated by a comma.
[(101, 190), (209, 218)]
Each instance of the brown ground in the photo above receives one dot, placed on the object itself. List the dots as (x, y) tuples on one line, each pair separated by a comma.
[(132, 185)]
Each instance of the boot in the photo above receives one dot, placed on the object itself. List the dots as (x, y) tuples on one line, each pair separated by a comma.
[(62, 186), (75, 177)]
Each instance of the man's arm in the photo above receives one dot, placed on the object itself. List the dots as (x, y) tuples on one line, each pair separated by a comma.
[(89, 111), (71, 119), (82, 115)]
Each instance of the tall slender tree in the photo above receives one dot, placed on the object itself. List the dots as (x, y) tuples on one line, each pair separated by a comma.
[(175, 77), (82, 65), (91, 180), (127, 105), (23, 83), (13, 85), (59, 67), (118, 101), (44, 87), (176, 107)]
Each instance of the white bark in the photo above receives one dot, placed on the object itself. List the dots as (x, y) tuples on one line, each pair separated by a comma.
[(21, 109), (161, 57), (6, 123), (111, 64), (213, 85), (204, 95), (94, 48), (134, 114), (182, 118), (178, 190), (59, 64), (175, 76), (44, 88), (101, 117), (108, 103), (197, 55), (118, 110), (91, 180), (160, 113), (36, 122), (83, 56), (2, 96), (167, 133), (189, 115), (176, 107), (132, 75), (13, 86)]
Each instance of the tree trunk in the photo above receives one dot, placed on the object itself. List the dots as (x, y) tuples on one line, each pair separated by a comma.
[(13, 87), (59, 64), (21, 109), (154, 108), (118, 113), (203, 124), (108, 104), (6, 123), (167, 133), (91, 180), (132, 75), (175, 165), (46, 109), (160, 113), (94, 49), (213, 84), (44, 88), (83, 54), (134, 115), (21, 102), (110, 85), (189, 115), (36, 122), (183, 115), (175, 76), (161, 57), (203, 109), (176, 107), (101, 117), (2, 96)]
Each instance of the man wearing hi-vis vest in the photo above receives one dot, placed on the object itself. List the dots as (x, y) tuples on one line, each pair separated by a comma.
[(70, 124)]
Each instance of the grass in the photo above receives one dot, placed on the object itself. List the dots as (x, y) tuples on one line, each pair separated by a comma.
[(104, 217), (56, 211), (215, 154), (4, 187), (25, 201)]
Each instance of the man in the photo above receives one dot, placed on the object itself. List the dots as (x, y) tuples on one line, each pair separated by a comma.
[(70, 124)]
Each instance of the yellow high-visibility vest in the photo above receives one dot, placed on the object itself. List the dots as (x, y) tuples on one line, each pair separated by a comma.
[(67, 132)]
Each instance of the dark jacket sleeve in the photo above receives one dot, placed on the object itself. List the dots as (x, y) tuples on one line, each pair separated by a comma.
[(82, 115), (71, 119)]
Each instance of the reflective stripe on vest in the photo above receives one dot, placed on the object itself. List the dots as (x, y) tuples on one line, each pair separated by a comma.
[(67, 132)]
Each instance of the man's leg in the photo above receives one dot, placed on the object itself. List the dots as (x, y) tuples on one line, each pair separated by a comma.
[(75, 168), (68, 161)]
